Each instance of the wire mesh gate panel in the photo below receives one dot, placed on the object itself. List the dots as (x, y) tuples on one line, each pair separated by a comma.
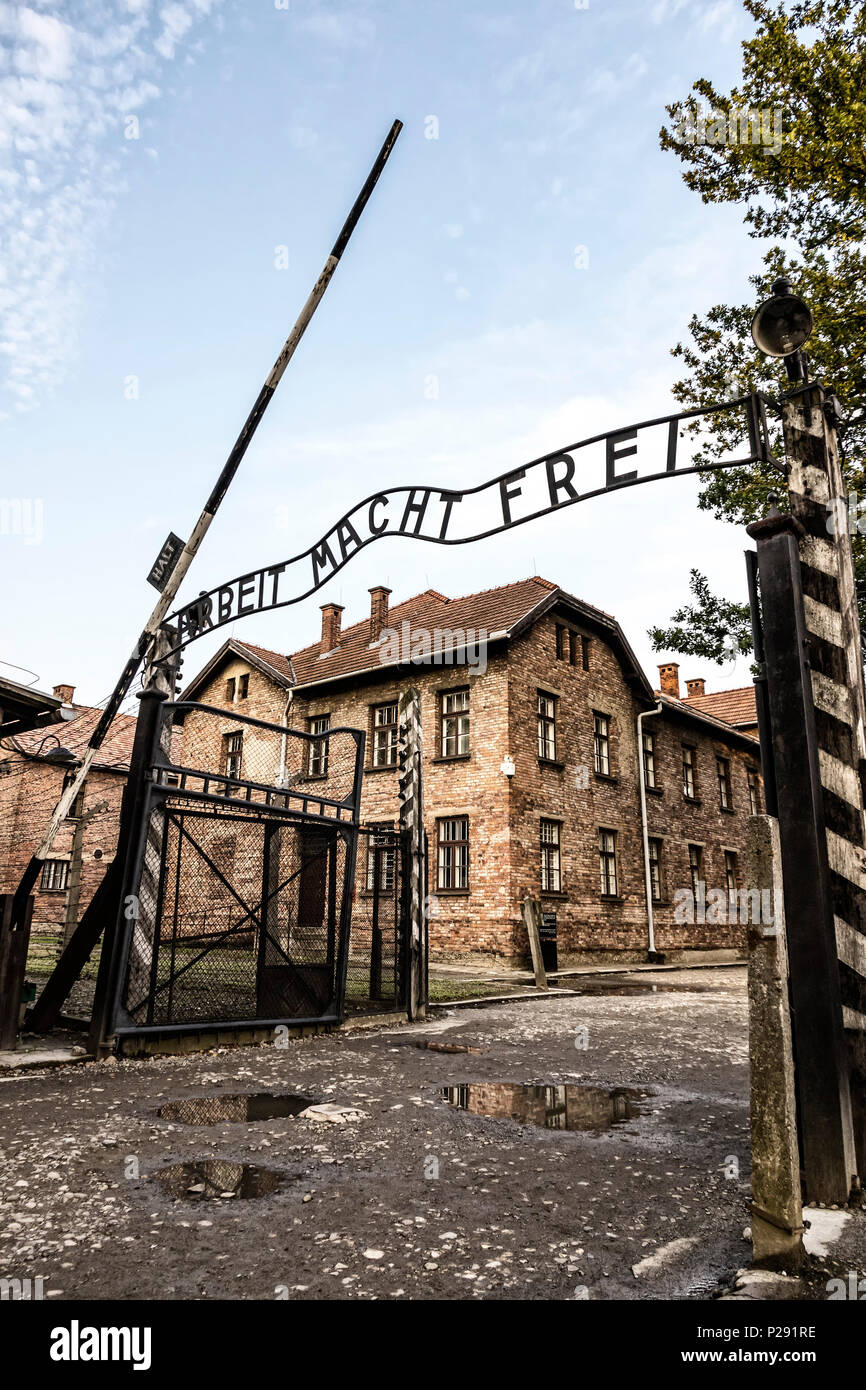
[(376, 976), (245, 869)]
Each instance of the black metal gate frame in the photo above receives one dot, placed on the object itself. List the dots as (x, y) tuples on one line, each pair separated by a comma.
[(344, 819)]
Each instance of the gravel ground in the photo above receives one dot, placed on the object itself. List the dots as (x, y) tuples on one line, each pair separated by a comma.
[(416, 1198)]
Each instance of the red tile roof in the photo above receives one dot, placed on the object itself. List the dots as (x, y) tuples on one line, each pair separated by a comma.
[(493, 610), (74, 735), (735, 707)]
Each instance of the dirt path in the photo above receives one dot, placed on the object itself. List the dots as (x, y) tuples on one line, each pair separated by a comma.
[(418, 1199)]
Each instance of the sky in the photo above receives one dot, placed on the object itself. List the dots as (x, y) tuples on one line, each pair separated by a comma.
[(172, 177)]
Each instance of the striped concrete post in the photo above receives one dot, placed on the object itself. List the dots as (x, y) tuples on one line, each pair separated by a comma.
[(817, 494), (412, 826)]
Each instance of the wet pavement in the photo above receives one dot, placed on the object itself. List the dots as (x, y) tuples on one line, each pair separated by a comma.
[(578, 1146)]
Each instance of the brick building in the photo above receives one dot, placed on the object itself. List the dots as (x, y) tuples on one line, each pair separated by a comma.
[(34, 766), (539, 730)]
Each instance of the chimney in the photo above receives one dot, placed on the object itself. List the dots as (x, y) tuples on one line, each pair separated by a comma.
[(378, 611), (695, 688), (669, 679), (330, 627), (64, 693)]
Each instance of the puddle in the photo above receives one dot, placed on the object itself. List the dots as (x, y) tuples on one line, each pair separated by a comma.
[(599, 985), (216, 1179), (233, 1109), (594, 1108)]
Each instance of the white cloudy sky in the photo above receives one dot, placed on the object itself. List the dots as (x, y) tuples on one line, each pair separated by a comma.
[(154, 156)]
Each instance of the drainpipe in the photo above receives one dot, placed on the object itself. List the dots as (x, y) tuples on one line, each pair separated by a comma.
[(284, 740), (646, 714)]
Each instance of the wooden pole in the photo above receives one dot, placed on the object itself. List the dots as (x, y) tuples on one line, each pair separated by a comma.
[(531, 914), (227, 473)]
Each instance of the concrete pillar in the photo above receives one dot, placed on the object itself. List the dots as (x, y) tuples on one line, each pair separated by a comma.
[(777, 1207)]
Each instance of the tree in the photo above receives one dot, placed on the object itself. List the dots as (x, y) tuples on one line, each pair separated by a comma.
[(713, 628), (789, 145)]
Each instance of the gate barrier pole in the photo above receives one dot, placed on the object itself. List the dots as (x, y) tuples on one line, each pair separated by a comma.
[(412, 822), (823, 1092)]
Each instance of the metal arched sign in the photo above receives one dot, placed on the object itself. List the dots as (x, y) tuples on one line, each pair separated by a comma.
[(655, 449)]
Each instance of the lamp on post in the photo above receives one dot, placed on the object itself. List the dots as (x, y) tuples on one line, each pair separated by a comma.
[(781, 326)]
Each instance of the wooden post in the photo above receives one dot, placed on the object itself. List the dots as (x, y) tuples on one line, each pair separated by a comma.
[(14, 940), (412, 824), (822, 1072), (817, 493), (531, 914)]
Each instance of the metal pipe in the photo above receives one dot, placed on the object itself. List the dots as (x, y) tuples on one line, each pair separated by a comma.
[(651, 936)]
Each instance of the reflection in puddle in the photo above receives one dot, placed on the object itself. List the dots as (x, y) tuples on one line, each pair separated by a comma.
[(235, 1109), (215, 1178), (594, 1108)]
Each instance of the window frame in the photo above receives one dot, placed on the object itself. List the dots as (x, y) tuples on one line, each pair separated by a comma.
[(601, 744), (655, 846), (452, 855), (231, 688), (551, 856), (319, 747), (392, 731), (244, 686), (732, 860), (387, 880), (545, 725), (460, 717), (696, 867), (723, 780), (649, 767), (59, 868), (607, 863), (228, 753), (689, 766), (753, 783)]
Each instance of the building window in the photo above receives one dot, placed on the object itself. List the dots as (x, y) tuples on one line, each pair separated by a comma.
[(453, 861), (731, 874), (230, 690), (385, 735), (649, 760), (607, 862), (754, 793), (381, 846), (567, 644), (232, 758), (55, 876), (455, 724), (655, 869), (551, 868), (584, 642), (546, 727), (244, 685), (689, 783), (696, 857), (318, 763), (723, 773), (601, 743), (561, 642)]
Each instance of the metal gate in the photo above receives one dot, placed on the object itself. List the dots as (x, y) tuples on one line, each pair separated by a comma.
[(378, 940), (238, 891)]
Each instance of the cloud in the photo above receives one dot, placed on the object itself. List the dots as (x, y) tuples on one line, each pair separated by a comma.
[(66, 87)]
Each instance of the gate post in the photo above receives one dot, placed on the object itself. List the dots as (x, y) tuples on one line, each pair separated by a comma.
[(412, 823), (823, 1091), (817, 492), (130, 843), (14, 940)]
